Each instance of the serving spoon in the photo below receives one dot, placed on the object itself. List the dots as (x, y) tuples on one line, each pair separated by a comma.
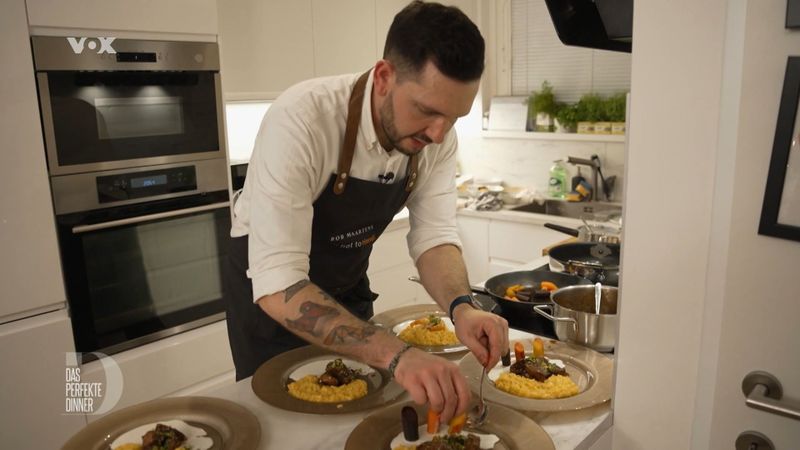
[(477, 415)]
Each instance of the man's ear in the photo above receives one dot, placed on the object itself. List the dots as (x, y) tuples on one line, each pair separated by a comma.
[(384, 77)]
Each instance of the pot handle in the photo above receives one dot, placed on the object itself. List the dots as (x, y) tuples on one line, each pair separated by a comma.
[(539, 309), (472, 287)]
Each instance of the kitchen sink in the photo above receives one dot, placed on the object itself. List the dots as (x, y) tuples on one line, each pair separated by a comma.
[(589, 210)]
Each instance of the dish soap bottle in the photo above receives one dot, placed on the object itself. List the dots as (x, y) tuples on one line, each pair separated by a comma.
[(557, 187)]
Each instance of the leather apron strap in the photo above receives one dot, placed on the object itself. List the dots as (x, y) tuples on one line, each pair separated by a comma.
[(351, 134)]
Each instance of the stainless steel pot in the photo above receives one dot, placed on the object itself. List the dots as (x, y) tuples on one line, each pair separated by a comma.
[(575, 320)]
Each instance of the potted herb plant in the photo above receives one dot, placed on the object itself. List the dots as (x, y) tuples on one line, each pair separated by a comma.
[(542, 108), (590, 109), (567, 117), (615, 111)]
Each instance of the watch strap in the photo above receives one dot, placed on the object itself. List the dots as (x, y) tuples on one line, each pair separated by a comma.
[(459, 300)]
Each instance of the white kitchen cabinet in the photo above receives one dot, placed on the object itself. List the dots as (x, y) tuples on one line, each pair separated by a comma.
[(31, 276), (187, 17), (169, 366), (344, 36), (389, 269), (518, 241), (474, 234), (265, 46), (33, 352)]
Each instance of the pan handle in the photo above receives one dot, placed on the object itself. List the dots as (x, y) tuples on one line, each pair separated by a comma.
[(539, 309), (563, 229), (472, 287)]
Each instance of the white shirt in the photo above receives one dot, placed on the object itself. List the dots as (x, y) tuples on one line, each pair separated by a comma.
[(295, 153)]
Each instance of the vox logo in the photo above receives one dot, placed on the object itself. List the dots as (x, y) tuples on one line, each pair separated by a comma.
[(101, 44)]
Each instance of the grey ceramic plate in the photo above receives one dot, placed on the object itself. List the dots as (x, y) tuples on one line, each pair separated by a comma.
[(229, 425), (270, 380), (394, 319), (590, 370), (515, 430)]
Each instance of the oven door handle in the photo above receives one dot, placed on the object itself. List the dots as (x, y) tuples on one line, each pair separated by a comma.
[(139, 219)]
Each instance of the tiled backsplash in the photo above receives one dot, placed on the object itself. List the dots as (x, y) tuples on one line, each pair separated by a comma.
[(527, 162)]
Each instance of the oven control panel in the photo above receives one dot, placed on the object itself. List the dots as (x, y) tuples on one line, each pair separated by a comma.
[(127, 186)]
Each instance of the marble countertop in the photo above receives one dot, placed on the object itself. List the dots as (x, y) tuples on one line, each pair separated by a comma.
[(285, 429)]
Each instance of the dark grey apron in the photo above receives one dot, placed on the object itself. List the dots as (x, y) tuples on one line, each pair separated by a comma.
[(348, 218)]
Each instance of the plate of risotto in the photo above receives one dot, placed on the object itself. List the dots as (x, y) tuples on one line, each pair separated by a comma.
[(173, 423), (423, 326), (404, 426), (544, 375), (317, 381)]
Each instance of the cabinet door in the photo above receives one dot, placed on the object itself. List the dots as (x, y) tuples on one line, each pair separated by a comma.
[(31, 275), (198, 17), (265, 46), (474, 234), (344, 36), (33, 396), (519, 242)]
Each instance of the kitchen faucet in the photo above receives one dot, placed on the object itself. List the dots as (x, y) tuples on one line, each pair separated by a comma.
[(594, 164)]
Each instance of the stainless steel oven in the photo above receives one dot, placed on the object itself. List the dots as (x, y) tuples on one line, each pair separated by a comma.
[(139, 176)]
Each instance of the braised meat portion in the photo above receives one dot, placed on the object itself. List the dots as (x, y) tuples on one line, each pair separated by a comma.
[(337, 374), (162, 438), (536, 368), (452, 442)]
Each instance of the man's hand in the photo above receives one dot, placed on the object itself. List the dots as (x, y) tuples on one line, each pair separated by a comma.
[(484, 333), (435, 380)]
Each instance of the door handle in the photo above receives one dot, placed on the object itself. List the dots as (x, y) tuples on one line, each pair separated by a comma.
[(763, 391)]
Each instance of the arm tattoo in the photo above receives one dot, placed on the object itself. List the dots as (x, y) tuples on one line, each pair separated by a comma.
[(310, 313), (344, 334), (294, 289)]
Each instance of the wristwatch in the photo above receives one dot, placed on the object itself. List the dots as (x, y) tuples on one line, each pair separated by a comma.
[(469, 299)]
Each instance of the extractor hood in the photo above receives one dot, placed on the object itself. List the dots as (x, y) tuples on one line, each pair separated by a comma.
[(601, 24)]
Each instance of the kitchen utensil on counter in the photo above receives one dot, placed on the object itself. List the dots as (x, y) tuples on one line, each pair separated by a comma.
[(587, 233), (573, 312), (518, 313), (595, 261)]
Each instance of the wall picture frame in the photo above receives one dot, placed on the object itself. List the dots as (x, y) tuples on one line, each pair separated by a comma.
[(780, 210), (793, 14)]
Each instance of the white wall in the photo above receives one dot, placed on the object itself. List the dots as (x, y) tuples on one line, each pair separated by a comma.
[(671, 164)]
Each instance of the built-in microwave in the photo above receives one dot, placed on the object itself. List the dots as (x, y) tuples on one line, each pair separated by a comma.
[(147, 103), (138, 169)]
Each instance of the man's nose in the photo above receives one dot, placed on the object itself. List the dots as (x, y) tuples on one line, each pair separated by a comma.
[(437, 129)]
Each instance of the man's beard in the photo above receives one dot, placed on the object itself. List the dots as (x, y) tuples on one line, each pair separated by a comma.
[(390, 130)]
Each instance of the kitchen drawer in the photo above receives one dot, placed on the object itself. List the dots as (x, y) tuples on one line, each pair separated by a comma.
[(394, 288), (520, 242), (34, 353), (474, 234), (168, 366), (390, 250)]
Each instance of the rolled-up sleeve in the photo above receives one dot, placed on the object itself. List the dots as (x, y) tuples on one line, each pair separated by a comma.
[(432, 205), (280, 202)]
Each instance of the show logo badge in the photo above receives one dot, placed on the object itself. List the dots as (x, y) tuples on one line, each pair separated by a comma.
[(104, 44), (98, 394)]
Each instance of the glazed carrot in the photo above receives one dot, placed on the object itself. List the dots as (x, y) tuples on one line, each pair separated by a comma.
[(457, 424), (433, 421), (519, 351), (538, 348), (548, 286)]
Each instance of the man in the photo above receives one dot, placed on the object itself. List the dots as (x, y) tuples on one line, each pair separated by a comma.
[(334, 161)]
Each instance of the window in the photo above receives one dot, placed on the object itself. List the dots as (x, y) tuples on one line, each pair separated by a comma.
[(538, 55)]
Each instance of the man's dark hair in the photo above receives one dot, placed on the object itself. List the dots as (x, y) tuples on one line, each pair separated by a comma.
[(444, 35)]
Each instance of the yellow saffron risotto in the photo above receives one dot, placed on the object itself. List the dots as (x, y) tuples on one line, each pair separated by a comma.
[(557, 386), (428, 331), (309, 389)]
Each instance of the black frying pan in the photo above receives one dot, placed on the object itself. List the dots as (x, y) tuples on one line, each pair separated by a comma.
[(595, 261), (520, 314)]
